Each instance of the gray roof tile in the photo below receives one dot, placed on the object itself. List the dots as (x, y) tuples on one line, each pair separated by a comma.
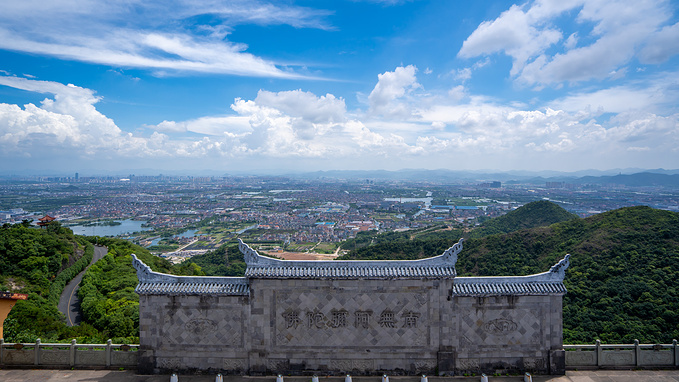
[(164, 288), (482, 288), (275, 272)]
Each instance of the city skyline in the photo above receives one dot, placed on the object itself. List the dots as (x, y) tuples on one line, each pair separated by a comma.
[(308, 86)]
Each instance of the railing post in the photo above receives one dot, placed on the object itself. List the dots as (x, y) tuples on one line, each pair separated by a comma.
[(108, 353), (637, 353), (676, 354), (71, 358), (598, 353), (36, 350), (2, 351)]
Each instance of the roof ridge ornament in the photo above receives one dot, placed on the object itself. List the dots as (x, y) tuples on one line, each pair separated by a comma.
[(146, 275), (450, 254), (250, 255), (560, 268), (441, 266), (144, 272)]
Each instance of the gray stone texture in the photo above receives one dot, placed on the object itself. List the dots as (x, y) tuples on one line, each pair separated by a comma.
[(358, 317), (350, 326)]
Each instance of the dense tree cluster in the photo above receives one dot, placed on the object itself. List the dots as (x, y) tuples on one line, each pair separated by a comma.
[(107, 296), (40, 262), (621, 282), (226, 260)]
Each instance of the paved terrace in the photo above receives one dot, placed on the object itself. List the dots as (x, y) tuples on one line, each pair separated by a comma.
[(131, 376)]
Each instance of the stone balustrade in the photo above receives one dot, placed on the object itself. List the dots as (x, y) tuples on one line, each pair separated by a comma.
[(622, 356), (65, 355)]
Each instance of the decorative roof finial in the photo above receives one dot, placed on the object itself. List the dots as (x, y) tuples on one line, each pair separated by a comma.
[(251, 256), (560, 267), (143, 270), (450, 255)]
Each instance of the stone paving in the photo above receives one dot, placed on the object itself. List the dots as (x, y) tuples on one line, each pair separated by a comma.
[(131, 376)]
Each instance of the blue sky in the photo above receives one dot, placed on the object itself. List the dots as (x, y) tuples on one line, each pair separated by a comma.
[(225, 86)]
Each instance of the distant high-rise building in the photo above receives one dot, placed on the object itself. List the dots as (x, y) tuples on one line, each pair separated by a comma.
[(494, 184), (76, 176)]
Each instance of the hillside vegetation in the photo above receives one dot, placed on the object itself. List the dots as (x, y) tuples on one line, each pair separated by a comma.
[(40, 262), (622, 279), (535, 214), (107, 296), (621, 283), (226, 260)]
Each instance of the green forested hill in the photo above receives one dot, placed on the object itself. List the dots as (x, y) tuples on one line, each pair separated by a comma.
[(108, 300), (224, 261), (39, 262), (622, 282), (535, 214)]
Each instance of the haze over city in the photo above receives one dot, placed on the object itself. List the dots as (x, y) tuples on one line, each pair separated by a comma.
[(91, 85)]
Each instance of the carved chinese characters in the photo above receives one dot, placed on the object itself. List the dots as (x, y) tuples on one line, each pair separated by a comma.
[(339, 318)]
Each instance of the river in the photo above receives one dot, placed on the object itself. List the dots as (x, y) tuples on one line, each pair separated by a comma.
[(126, 227)]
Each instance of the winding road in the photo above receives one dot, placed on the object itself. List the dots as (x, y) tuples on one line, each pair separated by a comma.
[(69, 304)]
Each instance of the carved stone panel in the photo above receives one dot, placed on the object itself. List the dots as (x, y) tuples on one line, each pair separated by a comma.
[(468, 364), (581, 358), (617, 358), (88, 357), (194, 325), (534, 364), (657, 358), (18, 357), (491, 326), (169, 363), (234, 364), (330, 318), (54, 357)]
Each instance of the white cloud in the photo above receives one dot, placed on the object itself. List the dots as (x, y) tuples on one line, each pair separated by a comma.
[(148, 34), (296, 103), (619, 29), (571, 41), (515, 33), (216, 126), (661, 45), (390, 88), (463, 74), (289, 126)]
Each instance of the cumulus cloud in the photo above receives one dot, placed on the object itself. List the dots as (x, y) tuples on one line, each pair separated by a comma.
[(296, 125), (621, 29), (390, 88), (296, 103)]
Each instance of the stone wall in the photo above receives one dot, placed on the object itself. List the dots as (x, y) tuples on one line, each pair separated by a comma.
[(507, 333), (193, 333), (400, 326)]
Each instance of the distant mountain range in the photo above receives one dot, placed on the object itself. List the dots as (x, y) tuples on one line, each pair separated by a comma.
[(659, 177), (626, 177)]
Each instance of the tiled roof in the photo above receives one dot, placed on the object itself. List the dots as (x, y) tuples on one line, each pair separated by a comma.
[(258, 266), (508, 288), (193, 289), (349, 272), (151, 282)]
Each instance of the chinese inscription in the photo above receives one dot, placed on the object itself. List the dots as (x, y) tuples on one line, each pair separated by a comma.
[(387, 319), (362, 318), (315, 319), (410, 319), (340, 318), (292, 319)]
